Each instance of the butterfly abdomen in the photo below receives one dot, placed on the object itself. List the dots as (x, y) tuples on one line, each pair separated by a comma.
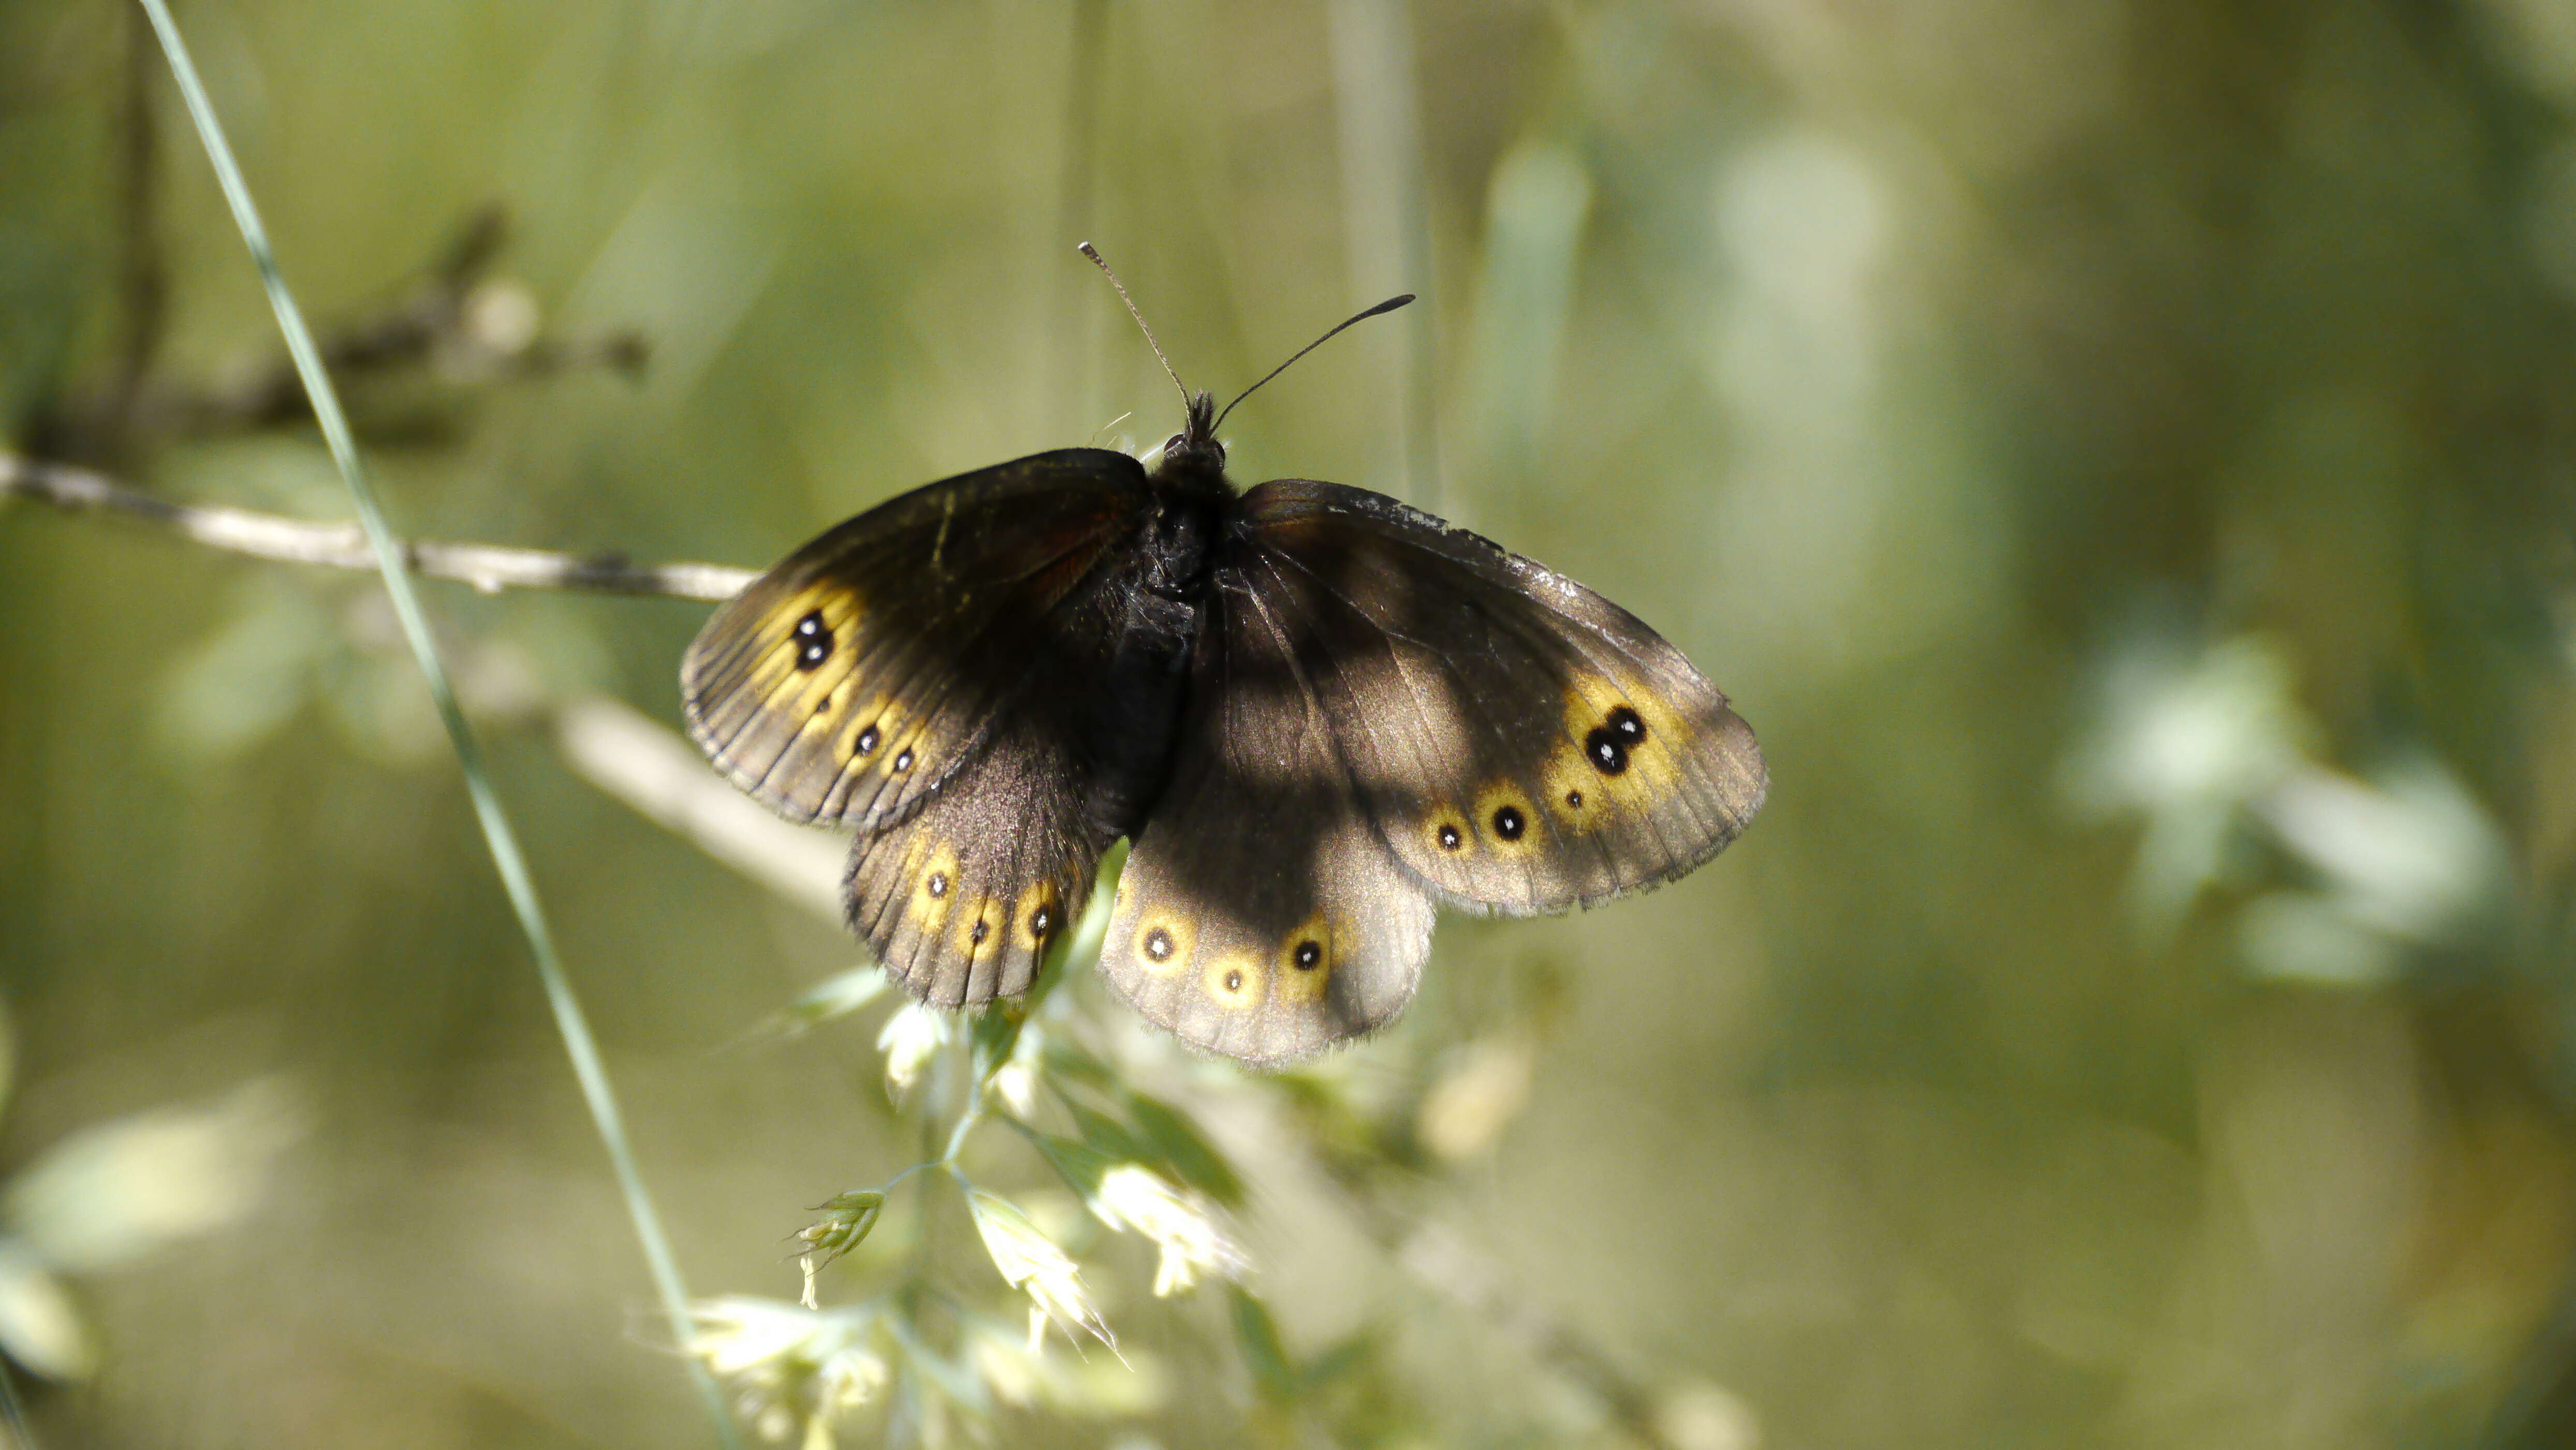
[(1150, 620)]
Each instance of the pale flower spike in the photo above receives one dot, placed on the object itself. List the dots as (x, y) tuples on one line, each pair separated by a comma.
[(912, 1036), (790, 1366), (1180, 1224), (1016, 1081), (1030, 1262)]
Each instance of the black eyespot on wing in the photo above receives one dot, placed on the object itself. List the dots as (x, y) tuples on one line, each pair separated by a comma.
[(976, 937), (1608, 756), (1310, 955), (1627, 725), (1509, 823), (1450, 840), (903, 758), (813, 642), (1158, 945), (1233, 980), (1041, 922), (867, 741), (1574, 798), (939, 883)]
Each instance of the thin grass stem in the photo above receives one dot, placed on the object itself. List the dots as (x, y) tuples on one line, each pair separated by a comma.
[(1387, 232), (966, 1122), (497, 833), (12, 1412)]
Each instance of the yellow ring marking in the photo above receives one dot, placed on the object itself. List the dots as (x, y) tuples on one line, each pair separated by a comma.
[(1235, 981), (934, 888), (1653, 771), (1446, 818), (994, 919), (1179, 939), (1306, 984), (1490, 802), (1039, 897)]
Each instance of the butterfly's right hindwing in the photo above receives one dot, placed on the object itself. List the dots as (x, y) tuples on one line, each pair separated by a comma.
[(1260, 916), (961, 899)]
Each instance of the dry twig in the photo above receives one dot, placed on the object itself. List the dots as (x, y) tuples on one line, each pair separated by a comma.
[(489, 568)]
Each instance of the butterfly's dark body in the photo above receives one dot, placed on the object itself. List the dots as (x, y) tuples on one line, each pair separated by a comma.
[(1315, 712), (1159, 608)]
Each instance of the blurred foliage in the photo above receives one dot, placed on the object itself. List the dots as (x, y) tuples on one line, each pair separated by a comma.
[(2119, 457)]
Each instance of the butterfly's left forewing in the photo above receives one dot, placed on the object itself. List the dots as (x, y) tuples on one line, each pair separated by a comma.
[(1520, 743), (1387, 711), (1260, 916)]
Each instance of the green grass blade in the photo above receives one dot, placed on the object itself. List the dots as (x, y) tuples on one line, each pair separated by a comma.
[(504, 843), (12, 1414)]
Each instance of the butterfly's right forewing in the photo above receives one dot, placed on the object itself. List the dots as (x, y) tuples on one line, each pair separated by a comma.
[(917, 674), (847, 683)]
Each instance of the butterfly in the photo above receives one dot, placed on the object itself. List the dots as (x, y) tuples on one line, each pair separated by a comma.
[(1316, 713)]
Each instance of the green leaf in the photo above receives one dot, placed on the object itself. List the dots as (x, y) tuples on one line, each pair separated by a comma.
[(1111, 1136), (1067, 1061), (1078, 1164), (1339, 1360), (1179, 1147), (996, 1032), (1258, 1334)]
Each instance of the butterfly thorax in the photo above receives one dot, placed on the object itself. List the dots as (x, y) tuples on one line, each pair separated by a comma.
[(1192, 501), (1159, 607)]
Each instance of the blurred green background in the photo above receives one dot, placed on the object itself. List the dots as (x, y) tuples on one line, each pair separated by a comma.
[(2119, 456)]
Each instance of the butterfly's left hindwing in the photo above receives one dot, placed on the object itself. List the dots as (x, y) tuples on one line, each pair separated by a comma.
[(1260, 916)]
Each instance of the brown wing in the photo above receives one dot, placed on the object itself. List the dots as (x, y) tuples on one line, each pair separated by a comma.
[(848, 682), (913, 674), (961, 898), (1520, 743)]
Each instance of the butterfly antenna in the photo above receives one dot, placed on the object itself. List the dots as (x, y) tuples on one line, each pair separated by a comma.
[(1093, 253), (1389, 305)]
